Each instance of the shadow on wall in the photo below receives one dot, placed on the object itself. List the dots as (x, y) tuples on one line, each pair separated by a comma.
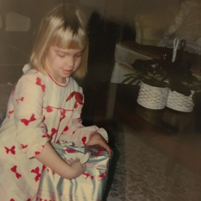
[(104, 33)]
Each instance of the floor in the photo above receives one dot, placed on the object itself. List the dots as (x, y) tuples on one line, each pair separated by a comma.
[(140, 174)]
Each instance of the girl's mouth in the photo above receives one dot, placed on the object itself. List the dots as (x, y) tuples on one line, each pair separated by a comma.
[(67, 72)]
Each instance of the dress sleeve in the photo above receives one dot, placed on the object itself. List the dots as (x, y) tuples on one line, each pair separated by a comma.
[(27, 99), (77, 133)]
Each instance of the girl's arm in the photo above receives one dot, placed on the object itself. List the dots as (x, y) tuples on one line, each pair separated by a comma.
[(51, 159)]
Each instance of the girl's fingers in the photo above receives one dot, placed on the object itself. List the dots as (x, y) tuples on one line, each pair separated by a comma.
[(107, 148), (77, 159), (84, 167), (71, 161), (67, 161), (109, 152)]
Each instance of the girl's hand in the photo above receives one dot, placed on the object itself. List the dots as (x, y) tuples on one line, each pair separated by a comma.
[(97, 139), (69, 161), (77, 168)]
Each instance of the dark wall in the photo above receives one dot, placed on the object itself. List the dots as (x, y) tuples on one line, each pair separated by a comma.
[(16, 46)]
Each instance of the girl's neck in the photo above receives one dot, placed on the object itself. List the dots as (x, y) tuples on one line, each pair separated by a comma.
[(63, 84), (60, 80)]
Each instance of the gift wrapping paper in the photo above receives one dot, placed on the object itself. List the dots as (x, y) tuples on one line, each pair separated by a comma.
[(89, 186)]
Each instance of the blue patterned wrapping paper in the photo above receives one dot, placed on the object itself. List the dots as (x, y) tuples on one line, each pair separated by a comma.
[(89, 186)]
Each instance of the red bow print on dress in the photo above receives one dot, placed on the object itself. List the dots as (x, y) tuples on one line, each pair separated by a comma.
[(39, 83), (13, 91), (63, 114), (36, 170), (53, 132), (78, 97), (14, 169), (46, 135), (26, 121), (65, 129), (49, 108), (10, 112), (12, 150), (37, 152), (84, 140), (24, 146), (19, 99), (43, 168), (76, 105)]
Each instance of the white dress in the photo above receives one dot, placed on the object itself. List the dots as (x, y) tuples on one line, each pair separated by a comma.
[(39, 110)]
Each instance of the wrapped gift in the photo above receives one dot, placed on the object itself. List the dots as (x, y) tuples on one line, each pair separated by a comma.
[(89, 186)]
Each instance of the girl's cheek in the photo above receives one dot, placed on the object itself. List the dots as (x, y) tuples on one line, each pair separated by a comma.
[(79, 60)]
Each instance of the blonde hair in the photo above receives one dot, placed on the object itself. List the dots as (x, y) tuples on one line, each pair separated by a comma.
[(65, 27)]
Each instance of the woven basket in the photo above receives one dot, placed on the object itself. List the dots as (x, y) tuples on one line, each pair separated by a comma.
[(179, 102), (152, 97)]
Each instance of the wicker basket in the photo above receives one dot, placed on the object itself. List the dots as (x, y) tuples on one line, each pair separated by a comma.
[(152, 97), (179, 102)]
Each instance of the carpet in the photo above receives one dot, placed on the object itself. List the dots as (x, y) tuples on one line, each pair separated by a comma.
[(139, 173)]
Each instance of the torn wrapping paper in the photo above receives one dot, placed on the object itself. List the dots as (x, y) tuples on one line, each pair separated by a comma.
[(89, 186)]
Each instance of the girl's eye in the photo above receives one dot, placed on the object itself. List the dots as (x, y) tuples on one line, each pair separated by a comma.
[(61, 55), (78, 55)]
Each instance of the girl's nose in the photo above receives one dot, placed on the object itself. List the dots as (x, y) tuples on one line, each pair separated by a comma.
[(70, 61)]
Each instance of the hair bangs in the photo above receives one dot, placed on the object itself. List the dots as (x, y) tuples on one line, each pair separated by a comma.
[(66, 39)]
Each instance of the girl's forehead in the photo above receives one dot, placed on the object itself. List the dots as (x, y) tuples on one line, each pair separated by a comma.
[(66, 50)]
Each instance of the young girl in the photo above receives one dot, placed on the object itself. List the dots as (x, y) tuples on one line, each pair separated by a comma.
[(45, 106)]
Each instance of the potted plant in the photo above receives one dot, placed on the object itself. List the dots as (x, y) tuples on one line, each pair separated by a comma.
[(182, 83), (153, 83)]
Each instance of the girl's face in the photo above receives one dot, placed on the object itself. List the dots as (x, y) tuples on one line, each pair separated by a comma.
[(61, 63)]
